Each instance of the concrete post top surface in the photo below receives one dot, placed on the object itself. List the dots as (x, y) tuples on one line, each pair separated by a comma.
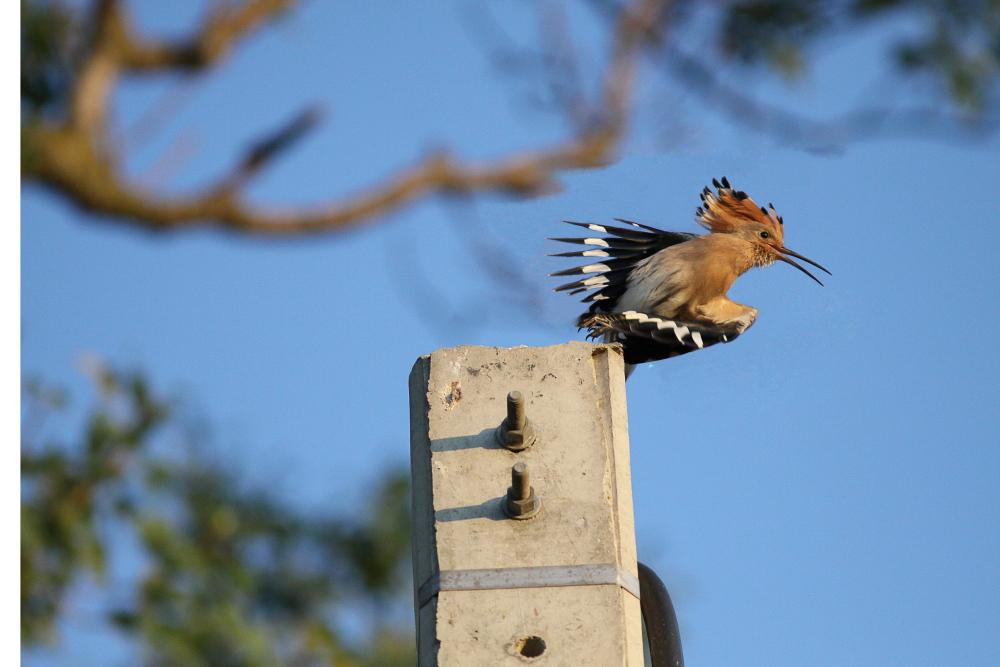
[(574, 396)]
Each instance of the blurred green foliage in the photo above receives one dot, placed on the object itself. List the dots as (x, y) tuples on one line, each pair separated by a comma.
[(772, 30), (957, 42), (229, 577), (51, 34)]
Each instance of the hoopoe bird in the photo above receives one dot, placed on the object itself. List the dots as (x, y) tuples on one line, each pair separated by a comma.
[(662, 294)]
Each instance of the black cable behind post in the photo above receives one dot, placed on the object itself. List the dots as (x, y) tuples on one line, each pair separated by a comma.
[(661, 621)]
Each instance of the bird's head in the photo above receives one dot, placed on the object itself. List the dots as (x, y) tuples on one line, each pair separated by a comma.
[(731, 211)]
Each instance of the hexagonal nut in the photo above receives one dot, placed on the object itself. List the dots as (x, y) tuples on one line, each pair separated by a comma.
[(515, 440), (521, 509)]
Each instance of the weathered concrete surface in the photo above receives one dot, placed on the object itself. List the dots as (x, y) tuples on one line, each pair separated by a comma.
[(575, 397)]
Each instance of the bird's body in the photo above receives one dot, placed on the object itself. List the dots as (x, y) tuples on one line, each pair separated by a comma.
[(690, 280), (662, 293)]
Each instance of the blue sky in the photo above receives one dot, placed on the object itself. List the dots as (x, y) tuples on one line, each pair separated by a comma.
[(823, 491)]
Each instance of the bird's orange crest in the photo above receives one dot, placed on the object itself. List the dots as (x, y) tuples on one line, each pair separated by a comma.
[(726, 211)]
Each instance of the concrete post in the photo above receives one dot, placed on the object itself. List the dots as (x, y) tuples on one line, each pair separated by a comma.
[(560, 587)]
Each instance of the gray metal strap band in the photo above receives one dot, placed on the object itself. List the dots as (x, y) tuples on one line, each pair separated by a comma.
[(528, 577)]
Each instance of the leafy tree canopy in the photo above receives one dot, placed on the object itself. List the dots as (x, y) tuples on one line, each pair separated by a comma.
[(229, 576)]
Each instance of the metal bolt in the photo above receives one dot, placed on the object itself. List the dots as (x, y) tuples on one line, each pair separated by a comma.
[(516, 432), (520, 481), (515, 410), (521, 501)]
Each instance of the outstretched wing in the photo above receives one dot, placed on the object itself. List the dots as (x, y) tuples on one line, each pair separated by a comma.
[(645, 338), (616, 257)]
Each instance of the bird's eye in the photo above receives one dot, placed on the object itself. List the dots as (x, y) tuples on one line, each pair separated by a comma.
[(764, 235)]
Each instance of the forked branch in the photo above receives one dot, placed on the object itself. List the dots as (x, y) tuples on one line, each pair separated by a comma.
[(77, 158)]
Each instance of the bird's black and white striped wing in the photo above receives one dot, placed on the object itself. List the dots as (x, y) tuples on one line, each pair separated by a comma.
[(647, 338), (615, 257)]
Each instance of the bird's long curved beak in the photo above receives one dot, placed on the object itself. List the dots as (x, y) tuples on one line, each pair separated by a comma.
[(785, 251)]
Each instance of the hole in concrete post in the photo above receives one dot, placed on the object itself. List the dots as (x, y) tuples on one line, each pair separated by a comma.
[(531, 647)]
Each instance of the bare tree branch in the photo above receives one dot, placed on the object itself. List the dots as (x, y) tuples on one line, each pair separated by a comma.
[(219, 33), (77, 159)]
